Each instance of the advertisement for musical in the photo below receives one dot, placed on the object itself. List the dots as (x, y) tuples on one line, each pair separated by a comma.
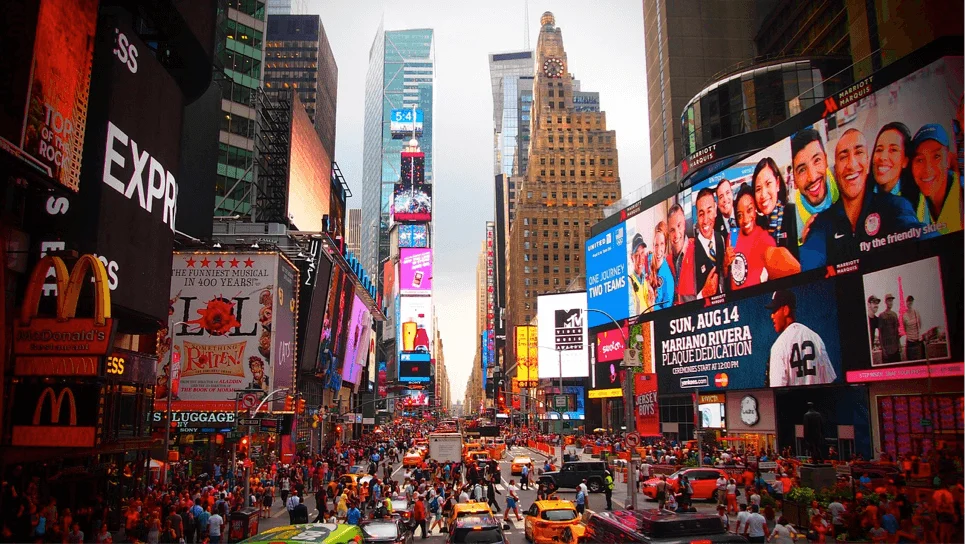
[(527, 369), (415, 271), (228, 310), (645, 407), (787, 338)]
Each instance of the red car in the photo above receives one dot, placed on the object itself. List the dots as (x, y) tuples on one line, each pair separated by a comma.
[(703, 480)]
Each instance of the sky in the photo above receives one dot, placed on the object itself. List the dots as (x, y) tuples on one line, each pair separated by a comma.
[(605, 51)]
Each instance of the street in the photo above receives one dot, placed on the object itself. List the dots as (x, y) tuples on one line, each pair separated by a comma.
[(514, 534)]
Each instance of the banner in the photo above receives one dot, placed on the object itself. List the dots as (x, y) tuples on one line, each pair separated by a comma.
[(527, 371), (415, 271), (646, 409)]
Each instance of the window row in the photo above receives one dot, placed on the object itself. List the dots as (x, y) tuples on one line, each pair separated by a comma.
[(552, 160), (243, 34)]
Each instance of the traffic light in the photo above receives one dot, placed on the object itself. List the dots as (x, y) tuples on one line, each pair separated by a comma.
[(338, 429), (300, 409), (244, 445), (289, 403)]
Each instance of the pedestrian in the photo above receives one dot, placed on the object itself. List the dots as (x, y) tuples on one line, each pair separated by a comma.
[(661, 488), (756, 525), (353, 516), (512, 501), (491, 493), (782, 533), (290, 505), (215, 524), (608, 490), (524, 479), (724, 518), (435, 509), (419, 515), (732, 497), (580, 501)]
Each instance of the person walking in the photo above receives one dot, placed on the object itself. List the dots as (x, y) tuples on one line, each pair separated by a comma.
[(608, 490), (419, 515), (512, 501), (491, 493), (290, 505), (580, 501), (661, 491), (524, 479)]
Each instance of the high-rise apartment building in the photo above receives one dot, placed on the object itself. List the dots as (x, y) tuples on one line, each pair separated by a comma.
[(299, 57), (242, 57), (573, 173), (400, 77), (353, 231)]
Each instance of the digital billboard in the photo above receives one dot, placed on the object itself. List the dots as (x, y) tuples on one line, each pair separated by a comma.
[(527, 369), (415, 324), (646, 409), (228, 338), (415, 399), (415, 271), (359, 330), (46, 89), (402, 123), (872, 172), (575, 404), (562, 335), (788, 338), (415, 366), (309, 173), (412, 203), (382, 380), (413, 235), (608, 376)]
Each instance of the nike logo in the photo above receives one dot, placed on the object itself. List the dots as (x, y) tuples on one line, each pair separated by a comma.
[(838, 236)]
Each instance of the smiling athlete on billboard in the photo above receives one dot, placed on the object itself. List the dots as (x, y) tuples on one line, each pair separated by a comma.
[(798, 356)]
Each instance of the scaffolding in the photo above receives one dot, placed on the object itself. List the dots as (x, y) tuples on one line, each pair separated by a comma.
[(272, 150)]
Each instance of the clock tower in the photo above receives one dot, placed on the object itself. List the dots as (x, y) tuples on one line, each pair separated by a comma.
[(572, 174)]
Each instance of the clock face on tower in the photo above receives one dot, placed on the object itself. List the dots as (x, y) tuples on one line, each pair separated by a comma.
[(553, 67)]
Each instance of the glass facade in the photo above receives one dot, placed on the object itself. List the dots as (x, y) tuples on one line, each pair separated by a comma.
[(242, 56), (506, 71), (758, 98), (400, 76)]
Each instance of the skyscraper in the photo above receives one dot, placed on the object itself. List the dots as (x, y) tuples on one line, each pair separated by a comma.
[(241, 57), (573, 173), (400, 77), (299, 57)]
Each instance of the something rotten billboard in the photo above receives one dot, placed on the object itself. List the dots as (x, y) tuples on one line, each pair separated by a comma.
[(229, 330), (788, 338), (415, 271)]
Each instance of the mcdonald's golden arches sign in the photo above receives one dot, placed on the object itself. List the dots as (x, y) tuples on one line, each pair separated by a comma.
[(60, 415)]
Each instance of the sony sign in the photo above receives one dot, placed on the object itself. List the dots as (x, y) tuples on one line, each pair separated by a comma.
[(146, 177)]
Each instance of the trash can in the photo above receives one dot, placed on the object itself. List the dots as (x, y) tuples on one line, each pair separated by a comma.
[(243, 524)]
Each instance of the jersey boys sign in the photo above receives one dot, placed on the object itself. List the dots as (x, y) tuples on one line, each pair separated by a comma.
[(785, 338)]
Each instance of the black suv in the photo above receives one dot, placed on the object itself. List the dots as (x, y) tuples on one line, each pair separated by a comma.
[(571, 475), (656, 527)]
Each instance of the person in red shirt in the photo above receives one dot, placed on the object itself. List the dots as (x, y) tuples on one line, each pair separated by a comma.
[(756, 257)]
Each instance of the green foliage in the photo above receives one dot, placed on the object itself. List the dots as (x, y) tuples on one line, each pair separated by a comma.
[(800, 495), (690, 462), (840, 492)]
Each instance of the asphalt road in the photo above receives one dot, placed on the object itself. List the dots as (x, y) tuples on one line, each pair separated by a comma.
[(515, 532)]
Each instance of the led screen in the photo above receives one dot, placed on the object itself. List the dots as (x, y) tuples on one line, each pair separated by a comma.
[(309, 175), (562, 335), (415, 324), (413, 235), (412, 203), (402, 124), (415, 271), (415, 367)]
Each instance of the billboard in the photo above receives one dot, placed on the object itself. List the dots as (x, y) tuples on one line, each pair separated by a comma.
[(228, 330), (357, 341), (415, 366), (415, 399), (402, 124), (382, 380), (309, 173), (527, 369), (869, 172), (413, 235), (485, 359), (49, 46), (645, 408), (415, 317), (490, 319), (562, 335), (788, 338), (412, 203), (575, 403), (415, 271)]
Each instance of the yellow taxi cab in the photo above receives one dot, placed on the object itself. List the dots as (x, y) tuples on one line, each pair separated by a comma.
[(469, 509), (352, 481), (497, 448), (412, 459), (470, 446), (479, 456), (518, 463), (546, 519)]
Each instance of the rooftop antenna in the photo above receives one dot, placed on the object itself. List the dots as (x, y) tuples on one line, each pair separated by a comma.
[(526, 25)]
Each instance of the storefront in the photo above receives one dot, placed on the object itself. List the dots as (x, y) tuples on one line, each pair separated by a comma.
[(751, 420)]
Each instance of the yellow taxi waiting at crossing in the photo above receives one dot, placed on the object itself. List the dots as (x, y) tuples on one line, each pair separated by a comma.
[(545, 521), (469, 509), (519, 462)]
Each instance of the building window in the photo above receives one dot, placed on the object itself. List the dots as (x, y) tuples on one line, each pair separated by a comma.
[(546, 269), (546, 281), (561, 105), (546, 221), (551, 92), (529, 194)]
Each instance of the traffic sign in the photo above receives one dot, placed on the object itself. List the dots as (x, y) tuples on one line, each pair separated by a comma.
[(561, 401), (270, 425), (249, 401), (248, 421), (632, 440)]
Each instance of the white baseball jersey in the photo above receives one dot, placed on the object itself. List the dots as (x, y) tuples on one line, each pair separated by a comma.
[(798, 357)]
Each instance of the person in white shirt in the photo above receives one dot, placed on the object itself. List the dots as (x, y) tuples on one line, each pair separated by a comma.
[(742, 518), (215, 522), (290, 506), (463, 497), (721, 491), (756, 526), (586, 492), (798, 356), (754, 499)]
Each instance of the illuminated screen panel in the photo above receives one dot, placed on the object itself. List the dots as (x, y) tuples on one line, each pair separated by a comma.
[(309, 175)]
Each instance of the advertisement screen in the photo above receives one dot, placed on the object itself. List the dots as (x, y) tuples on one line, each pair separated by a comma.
[(415, 399), (527, 369), (315, 277), (610, 345), (712, 416), (413, 235), (562, 335), (284, 313), (788, 338), (608, 377), (415, 367), (415, 317), (412, 203), (309, 173), (402, 123), (382, 379), (328, 360), (49, 87), (415, 271), (223, 343)]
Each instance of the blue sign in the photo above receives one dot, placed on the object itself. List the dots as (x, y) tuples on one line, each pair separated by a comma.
[(413, 235), (415, 366), (606, 276), (402, 123), (575, 392), (486, 357)]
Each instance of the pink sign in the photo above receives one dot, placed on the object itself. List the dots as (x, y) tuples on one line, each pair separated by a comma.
[(944, 370), (610, 345), (415, 271)]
